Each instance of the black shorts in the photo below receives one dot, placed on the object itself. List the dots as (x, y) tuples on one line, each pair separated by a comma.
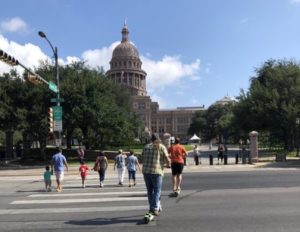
[(176, 168)]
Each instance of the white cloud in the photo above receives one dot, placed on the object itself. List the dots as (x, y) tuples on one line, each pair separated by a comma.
[(72, 59), (29, 55), (162, 103), (168, 71), (13, 25), (99, 57)]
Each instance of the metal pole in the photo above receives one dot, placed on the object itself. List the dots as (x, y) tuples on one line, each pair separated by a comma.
[(297, 142), (43, 35), (58, 92)]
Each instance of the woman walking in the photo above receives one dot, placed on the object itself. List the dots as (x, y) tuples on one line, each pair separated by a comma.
[(100, 166)]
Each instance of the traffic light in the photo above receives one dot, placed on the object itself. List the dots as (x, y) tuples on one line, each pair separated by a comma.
[(50, 119), (8, 58), (34, 79)]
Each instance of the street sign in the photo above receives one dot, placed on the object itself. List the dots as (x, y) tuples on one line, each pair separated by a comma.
[(57, 126), (57, 99), (57, 113), (53, 87)]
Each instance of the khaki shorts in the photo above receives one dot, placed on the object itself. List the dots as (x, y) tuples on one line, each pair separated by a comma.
[(59, 175)]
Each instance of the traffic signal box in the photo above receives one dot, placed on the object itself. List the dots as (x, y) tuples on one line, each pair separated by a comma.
[(50, 120), (34, 79), (8, 59)]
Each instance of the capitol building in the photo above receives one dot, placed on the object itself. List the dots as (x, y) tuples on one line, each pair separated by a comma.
[(126, 70)]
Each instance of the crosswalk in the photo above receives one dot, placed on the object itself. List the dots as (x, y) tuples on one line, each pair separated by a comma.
[(81, 202)]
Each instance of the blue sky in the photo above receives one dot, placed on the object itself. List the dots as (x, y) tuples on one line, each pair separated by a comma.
[(194, 51)]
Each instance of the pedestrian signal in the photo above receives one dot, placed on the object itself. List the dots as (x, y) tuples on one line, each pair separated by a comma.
[(8, 59), (50, 119)]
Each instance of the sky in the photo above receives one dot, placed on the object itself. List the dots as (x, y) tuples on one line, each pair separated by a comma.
[(195, 52)]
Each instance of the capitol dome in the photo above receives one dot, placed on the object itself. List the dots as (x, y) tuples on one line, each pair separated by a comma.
[(125, 48), (126, 66)]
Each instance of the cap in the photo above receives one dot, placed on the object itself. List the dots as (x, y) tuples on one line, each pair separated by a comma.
[(120, 150)]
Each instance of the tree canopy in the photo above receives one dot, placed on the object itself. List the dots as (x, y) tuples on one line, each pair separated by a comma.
[(95, 110)]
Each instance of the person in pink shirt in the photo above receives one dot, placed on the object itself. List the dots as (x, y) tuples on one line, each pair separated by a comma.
[(83, 172)]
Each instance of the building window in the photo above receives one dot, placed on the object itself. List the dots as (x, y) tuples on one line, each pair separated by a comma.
[(168, 120), (182, 120), (141, 105), (161, 130)]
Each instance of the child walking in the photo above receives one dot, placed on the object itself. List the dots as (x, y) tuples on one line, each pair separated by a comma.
[(47, 179), (132, 162), (83, 172)]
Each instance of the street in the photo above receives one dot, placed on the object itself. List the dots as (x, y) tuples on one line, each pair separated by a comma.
[(251, 200)]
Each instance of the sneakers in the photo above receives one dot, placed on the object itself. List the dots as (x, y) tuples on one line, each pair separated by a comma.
[(155, 212), (101, 184)]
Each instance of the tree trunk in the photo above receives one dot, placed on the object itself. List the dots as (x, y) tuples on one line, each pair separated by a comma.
[(26, 143), (43, 143), (9, 138)]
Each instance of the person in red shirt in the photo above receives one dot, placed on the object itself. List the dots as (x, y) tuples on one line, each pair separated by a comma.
[(178, 153), (83, 172)]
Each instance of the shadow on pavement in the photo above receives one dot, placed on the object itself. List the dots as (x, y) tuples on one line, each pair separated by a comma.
[(283, 164), (137, 220)]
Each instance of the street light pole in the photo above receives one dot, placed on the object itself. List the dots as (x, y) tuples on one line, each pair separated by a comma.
[(297, 136), (55, 52)]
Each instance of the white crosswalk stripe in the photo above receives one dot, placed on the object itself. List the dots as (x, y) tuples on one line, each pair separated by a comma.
[(127, 199), (88, 194), (73, 210)]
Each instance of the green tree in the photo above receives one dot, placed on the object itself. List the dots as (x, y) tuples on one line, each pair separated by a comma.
[(272, 103)]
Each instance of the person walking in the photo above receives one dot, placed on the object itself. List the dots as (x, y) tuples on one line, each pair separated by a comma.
[(220, 153), (120, 164), (154, 156), (178, 153), (83, 172), (196, 155), (100, 166), (132, 162), (47, 179), (57, 164), (80, 154)]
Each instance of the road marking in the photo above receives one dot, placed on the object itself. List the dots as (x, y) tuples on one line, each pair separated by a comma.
[(79, 200), (89, 194), (107, 187), (73, 210)]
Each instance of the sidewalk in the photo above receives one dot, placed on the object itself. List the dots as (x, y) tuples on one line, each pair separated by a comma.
[(37, 171)]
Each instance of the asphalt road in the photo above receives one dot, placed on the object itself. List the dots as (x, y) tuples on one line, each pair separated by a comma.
[(231, 201)]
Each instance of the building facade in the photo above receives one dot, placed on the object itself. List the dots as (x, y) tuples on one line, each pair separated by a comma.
[(126, 70)]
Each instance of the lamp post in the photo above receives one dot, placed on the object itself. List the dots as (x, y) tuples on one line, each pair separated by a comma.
[(54, 49), (297, 136)]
